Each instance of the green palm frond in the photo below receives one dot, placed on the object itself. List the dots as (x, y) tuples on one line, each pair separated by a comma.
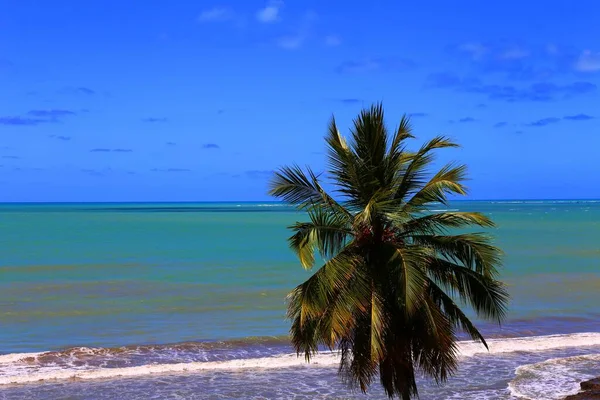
[(446, 181), (321, 309), (472, 250), (485, 295), (327, 233), (407, 263), (396, 274), (438, 223), (403, 132), (370, 136), (453, 312), (294, 186), (344, 166), (434, 348), (415, 174)]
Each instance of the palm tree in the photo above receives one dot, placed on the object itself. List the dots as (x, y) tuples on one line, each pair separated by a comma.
[(387, 294)]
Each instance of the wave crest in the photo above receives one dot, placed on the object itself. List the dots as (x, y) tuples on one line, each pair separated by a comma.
[(104, 363), (554, 378)]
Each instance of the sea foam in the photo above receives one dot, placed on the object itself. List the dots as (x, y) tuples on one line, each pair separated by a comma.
[(554, 378), (25, 368)]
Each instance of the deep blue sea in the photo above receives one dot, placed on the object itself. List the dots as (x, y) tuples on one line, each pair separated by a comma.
[(187, 301)]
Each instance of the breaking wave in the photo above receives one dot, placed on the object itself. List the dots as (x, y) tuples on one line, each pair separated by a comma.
[(83, 363), (554, 378)]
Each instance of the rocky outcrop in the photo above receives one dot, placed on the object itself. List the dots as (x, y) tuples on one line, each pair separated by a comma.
[(590, 391), (592, 384)]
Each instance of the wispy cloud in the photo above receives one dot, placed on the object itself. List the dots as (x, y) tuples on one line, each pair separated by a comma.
[(350, 101), (270, 13), (298, 35), (23, 121), (578, 117), (544, 122), (94, 172), (28, 169), (588, 61), (63, 138), (540, 91), (375, 64), (170, 170), (54, 113), (516, 61), (259, 174), (442, 80), (351, 67), (155, 119), (105, 171), (474, 50), (37, 117), (85, 90), (332, 40), (171, 144), (291, 42), (105, 150), (466, 120), (216, 14), (418, 115), (78, 90), (479, 51), (209, 146), (500, 124), (11, 157), (513, 53)]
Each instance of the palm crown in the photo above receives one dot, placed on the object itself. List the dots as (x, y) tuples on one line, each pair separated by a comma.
[(386, 295)]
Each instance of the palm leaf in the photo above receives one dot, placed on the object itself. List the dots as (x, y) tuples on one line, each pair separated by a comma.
[(434, 224), (326, 232), (446, 181), (487, 296), (473, 250), (409, 262), (322, 308), (414, 175), (453, 312)]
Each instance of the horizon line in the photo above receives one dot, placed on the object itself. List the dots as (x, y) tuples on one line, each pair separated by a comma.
[(265, 201)]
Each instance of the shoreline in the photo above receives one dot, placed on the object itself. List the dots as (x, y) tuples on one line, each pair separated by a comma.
[(88, 363)]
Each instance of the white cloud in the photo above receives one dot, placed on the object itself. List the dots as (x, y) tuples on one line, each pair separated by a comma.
[(476, 50), (216, 14), (291, 42), (270, 13), (333, 40), (588, 62), (304, 30), (513, 53)]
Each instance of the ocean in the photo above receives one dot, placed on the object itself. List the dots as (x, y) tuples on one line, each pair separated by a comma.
[(187, 301)]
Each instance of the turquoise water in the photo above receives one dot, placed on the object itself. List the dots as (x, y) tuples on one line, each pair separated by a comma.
[(111, 275)]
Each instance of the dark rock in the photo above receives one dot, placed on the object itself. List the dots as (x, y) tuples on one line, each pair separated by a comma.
[(590, 391), (592, 384), (588, 395)]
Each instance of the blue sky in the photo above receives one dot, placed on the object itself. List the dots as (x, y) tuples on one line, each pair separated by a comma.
[(166, 101)]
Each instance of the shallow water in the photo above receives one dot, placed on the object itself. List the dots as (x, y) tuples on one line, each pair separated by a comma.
[(215, 277)]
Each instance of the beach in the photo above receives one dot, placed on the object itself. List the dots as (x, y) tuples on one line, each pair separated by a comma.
[(187, 300)]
